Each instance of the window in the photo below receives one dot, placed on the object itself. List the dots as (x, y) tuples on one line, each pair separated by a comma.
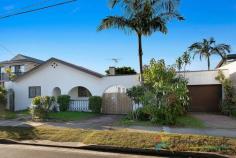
[(19, 69), (83, 92), (34, 91)]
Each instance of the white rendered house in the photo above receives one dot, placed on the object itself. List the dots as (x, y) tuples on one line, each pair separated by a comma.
[(56, 77)]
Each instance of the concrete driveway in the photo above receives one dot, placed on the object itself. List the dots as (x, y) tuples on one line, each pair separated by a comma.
[(98, 123), (216, 121)]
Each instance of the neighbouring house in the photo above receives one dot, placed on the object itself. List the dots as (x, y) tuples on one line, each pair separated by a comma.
[(18, 65), (56, 77)]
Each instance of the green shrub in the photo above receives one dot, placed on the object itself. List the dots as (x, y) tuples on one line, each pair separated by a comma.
[(41, 106), (136, 93), (64, 102), (228, 104), (95, 104), (139, 114), (164, 94), (3, 99)]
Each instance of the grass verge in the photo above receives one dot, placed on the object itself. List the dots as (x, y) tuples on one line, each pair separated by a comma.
[(183, 121), (123, 139), (72, 116)]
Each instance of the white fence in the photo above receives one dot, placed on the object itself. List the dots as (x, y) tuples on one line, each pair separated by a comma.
[(79, 105), (83, 105)]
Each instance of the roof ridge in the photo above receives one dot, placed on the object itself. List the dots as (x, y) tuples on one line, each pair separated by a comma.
[(80, 68)]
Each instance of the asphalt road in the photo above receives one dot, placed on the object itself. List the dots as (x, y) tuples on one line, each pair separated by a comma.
[(21, 151)]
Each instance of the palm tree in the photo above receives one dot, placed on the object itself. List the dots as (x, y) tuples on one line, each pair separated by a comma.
[(179, 63), (186, 58), (144, 17), (208, 47)]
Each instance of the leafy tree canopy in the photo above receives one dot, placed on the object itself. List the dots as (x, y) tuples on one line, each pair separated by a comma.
[(123, 71)]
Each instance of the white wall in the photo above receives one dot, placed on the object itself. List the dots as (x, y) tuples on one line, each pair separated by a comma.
[(231, 67), (66, 78), (203, 77)]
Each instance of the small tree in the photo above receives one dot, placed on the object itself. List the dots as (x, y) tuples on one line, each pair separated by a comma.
[(164, 94), (10, 74), (186, 58), (40, 107), (179, 63)]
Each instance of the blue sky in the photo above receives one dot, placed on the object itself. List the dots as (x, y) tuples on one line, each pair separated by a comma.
[(69, 32)]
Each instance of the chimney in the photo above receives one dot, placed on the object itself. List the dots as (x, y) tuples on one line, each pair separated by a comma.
[(112, 71)]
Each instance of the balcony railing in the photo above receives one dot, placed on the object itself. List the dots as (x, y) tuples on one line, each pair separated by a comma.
[(5, 76)]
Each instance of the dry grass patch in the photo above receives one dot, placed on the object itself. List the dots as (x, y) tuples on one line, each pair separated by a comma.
[(123, 139)]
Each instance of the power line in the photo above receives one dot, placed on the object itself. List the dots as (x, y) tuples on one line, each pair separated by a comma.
[(25, 7), (38, 9), (6, 49)]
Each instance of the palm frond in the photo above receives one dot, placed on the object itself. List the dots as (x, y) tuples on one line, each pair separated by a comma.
[(196, 46), (114, 22), (222, 50), (168, 16), (113, 3), (156, 24)]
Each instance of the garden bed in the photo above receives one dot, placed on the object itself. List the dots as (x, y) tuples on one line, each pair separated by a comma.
[(171, 142)]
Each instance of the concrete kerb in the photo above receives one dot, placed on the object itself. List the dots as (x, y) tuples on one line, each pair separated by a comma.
[(137, 151)]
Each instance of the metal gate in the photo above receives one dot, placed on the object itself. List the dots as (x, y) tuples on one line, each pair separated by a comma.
[(116, 103)]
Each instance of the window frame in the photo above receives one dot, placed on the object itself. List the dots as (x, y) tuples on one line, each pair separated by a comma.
[(35, 91)]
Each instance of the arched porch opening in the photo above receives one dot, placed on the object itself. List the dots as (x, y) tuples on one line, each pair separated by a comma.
[(79, 99)]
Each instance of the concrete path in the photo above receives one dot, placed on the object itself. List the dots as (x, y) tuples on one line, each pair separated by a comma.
[(23, 151), (216, 121)]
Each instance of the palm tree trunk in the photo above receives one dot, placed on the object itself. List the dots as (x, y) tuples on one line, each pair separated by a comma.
[(208, 62), (140, 50)]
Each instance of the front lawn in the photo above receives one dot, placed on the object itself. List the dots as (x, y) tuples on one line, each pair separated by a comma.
[(126, 139), (71, 116), (186, 121)]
